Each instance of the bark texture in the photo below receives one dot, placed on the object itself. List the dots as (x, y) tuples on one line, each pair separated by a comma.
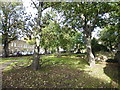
[(58, 52), (45, 51), (5, 50), (90, 56), (6, 46), (87, 35), (36, 62)]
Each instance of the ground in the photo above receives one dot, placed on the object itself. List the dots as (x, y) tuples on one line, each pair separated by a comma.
[(67, 71)]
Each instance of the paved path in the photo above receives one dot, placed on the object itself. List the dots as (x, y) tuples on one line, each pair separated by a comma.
[(4, 65)]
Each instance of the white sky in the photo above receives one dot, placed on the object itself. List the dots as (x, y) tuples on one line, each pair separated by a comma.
[(29, 9), (96, 32)]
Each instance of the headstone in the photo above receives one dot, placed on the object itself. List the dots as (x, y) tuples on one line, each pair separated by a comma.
[(117, 55), (119, 47)]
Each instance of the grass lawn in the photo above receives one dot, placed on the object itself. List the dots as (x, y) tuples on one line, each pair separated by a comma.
[(4, 60), (61, 72)]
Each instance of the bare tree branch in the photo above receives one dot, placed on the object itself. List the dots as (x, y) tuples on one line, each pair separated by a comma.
[(34, 4)]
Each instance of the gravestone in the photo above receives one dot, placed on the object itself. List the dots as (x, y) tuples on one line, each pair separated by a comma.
[(117, 55)]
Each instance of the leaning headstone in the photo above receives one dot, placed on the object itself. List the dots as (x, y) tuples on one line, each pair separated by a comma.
[(117, 55), (119, 47)]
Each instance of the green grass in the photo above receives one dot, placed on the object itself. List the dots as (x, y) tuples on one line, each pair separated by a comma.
[(61, 72), (71, 60), (24, 61), (4, 60)]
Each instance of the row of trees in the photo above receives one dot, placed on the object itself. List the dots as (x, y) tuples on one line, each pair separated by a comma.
[(79, 21), (110, 36), (55, 36)]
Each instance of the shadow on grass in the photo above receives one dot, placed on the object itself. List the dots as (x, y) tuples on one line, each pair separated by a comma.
[(55, 73), (71, 62), (52, 76)]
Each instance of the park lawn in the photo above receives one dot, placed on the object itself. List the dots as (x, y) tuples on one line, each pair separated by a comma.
[(4, 60), (61, 72)]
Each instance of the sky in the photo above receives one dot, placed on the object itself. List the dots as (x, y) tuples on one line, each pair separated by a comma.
[(96, 32), (28, 7)]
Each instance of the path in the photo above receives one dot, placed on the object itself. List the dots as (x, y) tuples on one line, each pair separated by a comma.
[(4, 65)]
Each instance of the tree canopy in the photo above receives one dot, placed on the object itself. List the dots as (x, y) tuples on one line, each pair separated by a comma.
[(11, 23)]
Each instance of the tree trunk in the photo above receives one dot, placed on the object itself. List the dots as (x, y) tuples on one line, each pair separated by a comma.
[(78, 51), (5, 50), (6, 46), (90, 56), (88, 34), (58, 50), (45, 51), (36, 62)]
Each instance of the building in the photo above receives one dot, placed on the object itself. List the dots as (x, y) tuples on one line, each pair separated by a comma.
[(19, 46)]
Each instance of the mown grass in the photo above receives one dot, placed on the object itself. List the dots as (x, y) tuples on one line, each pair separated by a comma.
[(4, 60), (67, 71)]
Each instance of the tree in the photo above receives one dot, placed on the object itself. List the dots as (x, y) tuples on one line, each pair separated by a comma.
[(67, 38), (115, 26), (36, 35), (10, 23), (50, 31), (109, 37), (86, 16), (78, 42), (96, 47), (51, 35), (36, 26)]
